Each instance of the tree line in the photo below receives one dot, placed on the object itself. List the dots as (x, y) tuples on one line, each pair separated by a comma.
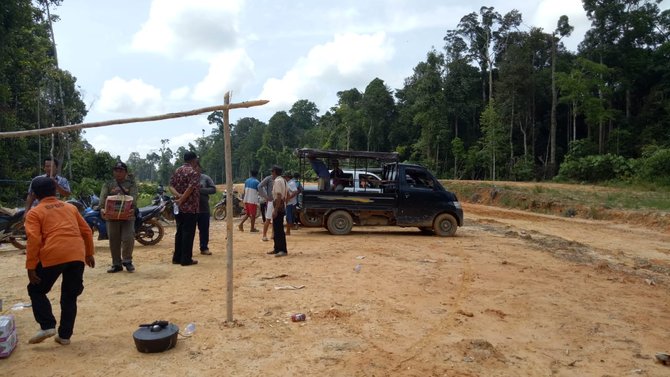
[(498, 100)]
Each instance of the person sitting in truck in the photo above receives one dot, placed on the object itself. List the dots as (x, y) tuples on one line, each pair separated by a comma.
[(337, 175), (322, 173)]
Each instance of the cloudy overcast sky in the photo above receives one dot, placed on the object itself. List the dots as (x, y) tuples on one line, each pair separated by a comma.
[(148, 57)]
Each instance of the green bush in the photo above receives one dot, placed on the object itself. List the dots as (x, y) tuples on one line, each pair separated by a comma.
[(596, 168), (654, 166)]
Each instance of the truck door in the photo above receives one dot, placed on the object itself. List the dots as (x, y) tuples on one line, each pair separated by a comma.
[(417, 197)]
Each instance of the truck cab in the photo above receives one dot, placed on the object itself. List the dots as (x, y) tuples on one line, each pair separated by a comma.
[(407, 195)]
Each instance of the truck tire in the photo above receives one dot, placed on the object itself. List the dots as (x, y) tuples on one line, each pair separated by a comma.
[(310, 221), (340, 223), (445, 225)]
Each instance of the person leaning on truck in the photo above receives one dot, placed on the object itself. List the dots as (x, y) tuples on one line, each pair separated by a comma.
[(321, 171), (337, 175)]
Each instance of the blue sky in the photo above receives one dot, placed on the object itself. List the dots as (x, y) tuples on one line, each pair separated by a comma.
[(147, 57)]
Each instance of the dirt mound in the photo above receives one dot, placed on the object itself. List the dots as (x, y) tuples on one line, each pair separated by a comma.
[(501, 197)]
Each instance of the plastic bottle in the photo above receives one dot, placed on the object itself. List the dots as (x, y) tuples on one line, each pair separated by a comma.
[(358, 268), (189, 329), (175, 209)]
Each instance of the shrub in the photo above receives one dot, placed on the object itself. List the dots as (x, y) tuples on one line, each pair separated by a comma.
[(596, 168), (654, 166)]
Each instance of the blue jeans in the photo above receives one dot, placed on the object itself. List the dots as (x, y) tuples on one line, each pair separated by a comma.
[(290, 214)]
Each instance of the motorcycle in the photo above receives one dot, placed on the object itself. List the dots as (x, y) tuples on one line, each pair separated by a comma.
[(238, 207), (168, 212), (11, 227), (148, 230)]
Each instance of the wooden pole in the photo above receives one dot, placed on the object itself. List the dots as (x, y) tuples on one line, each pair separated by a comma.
[(75, 127), (228, 156)]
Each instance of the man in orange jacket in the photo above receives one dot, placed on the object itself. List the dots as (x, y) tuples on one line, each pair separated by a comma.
[(59, 243)]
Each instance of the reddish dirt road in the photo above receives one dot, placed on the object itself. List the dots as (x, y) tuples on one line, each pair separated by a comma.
[(513, 294)]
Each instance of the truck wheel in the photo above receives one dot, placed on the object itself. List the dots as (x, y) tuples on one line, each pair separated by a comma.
[(340, 223), (445, 225), (310, 221)]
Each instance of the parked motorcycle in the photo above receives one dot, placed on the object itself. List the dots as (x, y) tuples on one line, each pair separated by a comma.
[(148, 230), (11, 227), (168, 212), (238, 207)]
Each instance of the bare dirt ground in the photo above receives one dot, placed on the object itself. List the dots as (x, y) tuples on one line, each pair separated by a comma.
[(513, 294)]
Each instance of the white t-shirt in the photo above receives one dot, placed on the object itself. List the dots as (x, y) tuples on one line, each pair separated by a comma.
[(292, 187)]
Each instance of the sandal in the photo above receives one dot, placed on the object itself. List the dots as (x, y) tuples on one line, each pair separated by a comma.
[(264, 238)]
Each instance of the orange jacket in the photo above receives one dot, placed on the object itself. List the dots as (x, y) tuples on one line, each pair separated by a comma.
[(56, 234)]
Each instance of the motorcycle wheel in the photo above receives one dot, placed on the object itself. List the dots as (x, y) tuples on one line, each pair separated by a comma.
[(220, 213), (19, 238), (19, 242), (150, 232)]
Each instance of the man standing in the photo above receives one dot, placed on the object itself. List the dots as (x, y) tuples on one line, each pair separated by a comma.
[(121, 232), (185, 186), (59, 243), (207, 188), (265, 191), (279, 193), (50, 170), (250, 201)]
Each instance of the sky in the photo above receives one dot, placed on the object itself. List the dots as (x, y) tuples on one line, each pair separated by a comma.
[(135, 58)]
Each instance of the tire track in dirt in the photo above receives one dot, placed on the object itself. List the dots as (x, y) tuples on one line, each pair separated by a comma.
[(603, 244)]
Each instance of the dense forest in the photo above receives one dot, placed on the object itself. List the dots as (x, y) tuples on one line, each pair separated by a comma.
[(498, 101)]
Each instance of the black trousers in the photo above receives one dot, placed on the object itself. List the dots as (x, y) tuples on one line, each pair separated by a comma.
[(263, 206), (183, 239), (203, 230), (71, 287), (279, 233)]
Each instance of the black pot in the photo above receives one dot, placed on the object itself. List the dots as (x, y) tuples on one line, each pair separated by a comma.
[(155, 338)]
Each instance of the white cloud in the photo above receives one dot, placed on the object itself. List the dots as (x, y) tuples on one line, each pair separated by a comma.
[(350, 60), (128, 96), (228, 71), (549, 11), (179, 93), (194, 29)]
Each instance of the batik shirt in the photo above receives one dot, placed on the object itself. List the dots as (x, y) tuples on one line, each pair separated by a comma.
[(183, 178)]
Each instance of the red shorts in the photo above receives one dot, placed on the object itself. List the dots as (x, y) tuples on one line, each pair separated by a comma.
[(251, 209)]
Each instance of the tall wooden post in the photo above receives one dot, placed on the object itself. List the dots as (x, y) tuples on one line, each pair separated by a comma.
[(228, 156)]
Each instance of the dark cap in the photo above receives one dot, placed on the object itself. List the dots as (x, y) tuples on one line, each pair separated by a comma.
[(43, 187), (190, 156), (120, 165)]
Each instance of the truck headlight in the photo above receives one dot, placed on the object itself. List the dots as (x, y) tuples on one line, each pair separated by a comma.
[(457, 204)]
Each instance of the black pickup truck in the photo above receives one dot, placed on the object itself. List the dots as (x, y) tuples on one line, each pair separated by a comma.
[(408, 195)]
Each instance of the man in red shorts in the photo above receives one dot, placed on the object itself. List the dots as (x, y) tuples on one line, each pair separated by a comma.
[(251, 201)]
